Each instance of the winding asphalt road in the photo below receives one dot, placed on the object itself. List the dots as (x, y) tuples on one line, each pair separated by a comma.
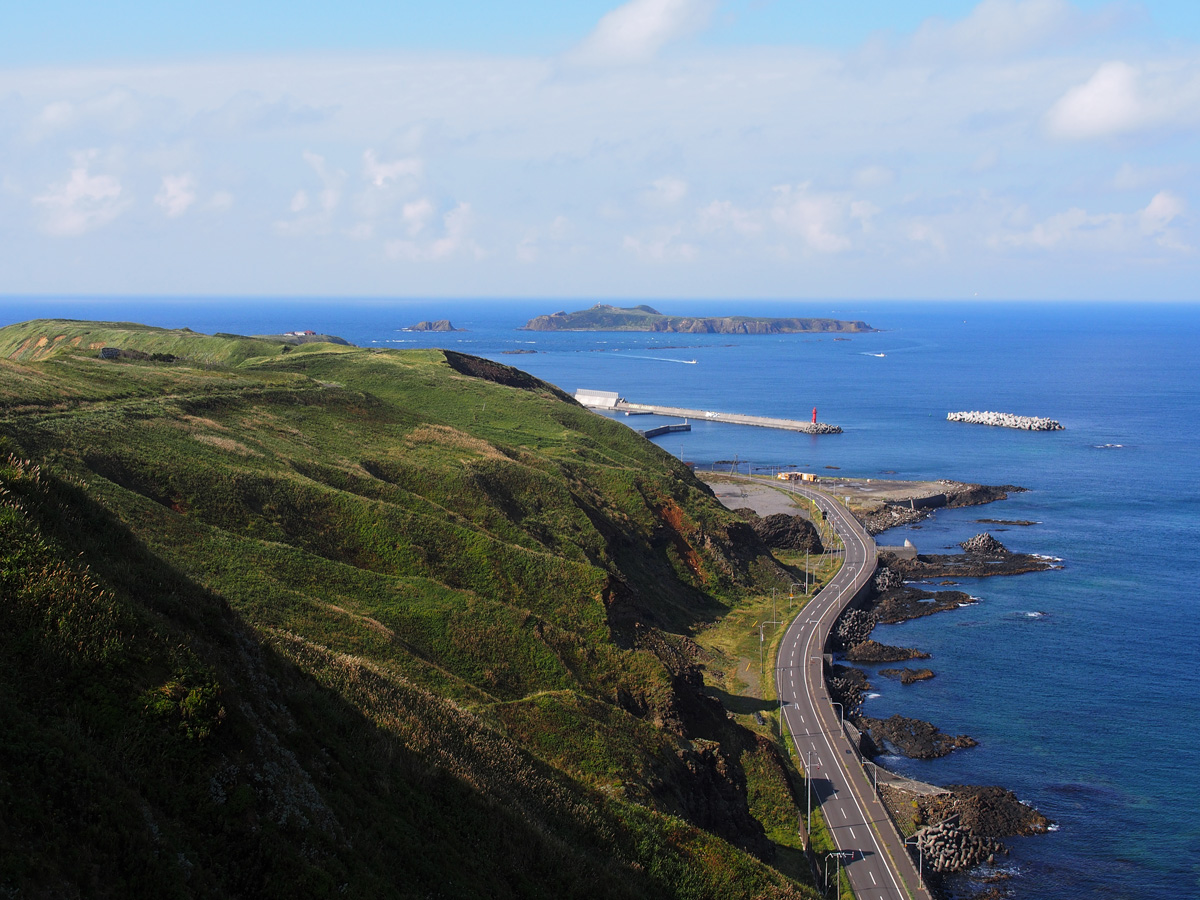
[(876, 861), (879, 867)]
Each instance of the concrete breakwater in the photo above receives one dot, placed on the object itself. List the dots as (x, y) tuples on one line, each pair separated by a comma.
[(729, 418), (664, 429), (611, 401), (1006, 420)]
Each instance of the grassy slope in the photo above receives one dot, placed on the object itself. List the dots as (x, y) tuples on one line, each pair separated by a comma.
[(344, 584)]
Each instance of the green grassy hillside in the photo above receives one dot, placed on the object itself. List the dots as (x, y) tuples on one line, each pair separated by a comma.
[(320, 620)]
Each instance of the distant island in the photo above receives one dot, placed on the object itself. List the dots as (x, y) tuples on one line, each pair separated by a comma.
[(439, 325), (603, 317)]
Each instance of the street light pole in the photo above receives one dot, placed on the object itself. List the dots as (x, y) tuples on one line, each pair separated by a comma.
[(808, 785), (779, 691), (920, 856), (875, 771), (841, 714), (836, 856), (761, 662)]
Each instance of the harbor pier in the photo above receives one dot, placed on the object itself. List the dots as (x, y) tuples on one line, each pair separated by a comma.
[(610, 400)]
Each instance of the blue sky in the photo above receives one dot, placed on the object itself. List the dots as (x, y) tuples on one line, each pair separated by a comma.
[(657, 148)]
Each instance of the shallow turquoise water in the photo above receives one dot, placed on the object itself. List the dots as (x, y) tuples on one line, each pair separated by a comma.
[(1089, 710)]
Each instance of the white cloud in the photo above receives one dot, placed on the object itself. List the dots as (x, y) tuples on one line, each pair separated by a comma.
[(874, 177), (381, 174), (680, 156), (111, 110), (1066, 227), (1121, 98), (666, 191), (998, 28), (985, 161), (1156, 219), (455, 239), (924, 233), (1106, 105), (663, 245), (637, 30), (864, 211), (178, 192), (815, 218), (722, 214), (416, 216), (81, 203), (248, 111), (324, 205), (1130, 177), (529, 248), (1112, 233)]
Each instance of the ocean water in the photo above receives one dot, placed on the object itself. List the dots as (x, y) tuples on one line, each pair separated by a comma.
[(1082, 685)]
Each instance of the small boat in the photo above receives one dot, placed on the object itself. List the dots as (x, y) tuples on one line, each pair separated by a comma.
[(880, 355)]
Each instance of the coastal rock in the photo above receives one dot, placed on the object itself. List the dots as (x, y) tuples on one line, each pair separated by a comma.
[(1006, 420), (912, 603), (907, 675), (894, 512), (986, 809), (963, 823), (913, 738), (874, 652), (926, 567), (985, 544), (439, 325)]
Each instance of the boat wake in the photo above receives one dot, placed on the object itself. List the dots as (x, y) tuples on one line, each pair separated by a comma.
[(688, 362)]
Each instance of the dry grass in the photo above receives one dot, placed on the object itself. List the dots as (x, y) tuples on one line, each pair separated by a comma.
[(373, 624), (201, 422), (451, 438), (227, 444)]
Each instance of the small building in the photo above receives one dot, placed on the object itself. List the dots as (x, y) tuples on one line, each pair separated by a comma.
[(597, 399), (110, 352)]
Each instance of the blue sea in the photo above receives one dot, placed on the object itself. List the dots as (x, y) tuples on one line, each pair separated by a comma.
[(1082, 684)]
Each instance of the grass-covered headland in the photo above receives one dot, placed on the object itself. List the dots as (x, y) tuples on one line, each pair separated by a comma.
[(307, 621)]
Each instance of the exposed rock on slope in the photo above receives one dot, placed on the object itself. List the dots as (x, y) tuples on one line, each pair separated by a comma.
[(781, 531)]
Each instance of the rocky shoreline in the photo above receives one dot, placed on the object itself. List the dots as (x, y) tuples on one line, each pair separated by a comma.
[(959, 827), (949, 495), (1005, 420)]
